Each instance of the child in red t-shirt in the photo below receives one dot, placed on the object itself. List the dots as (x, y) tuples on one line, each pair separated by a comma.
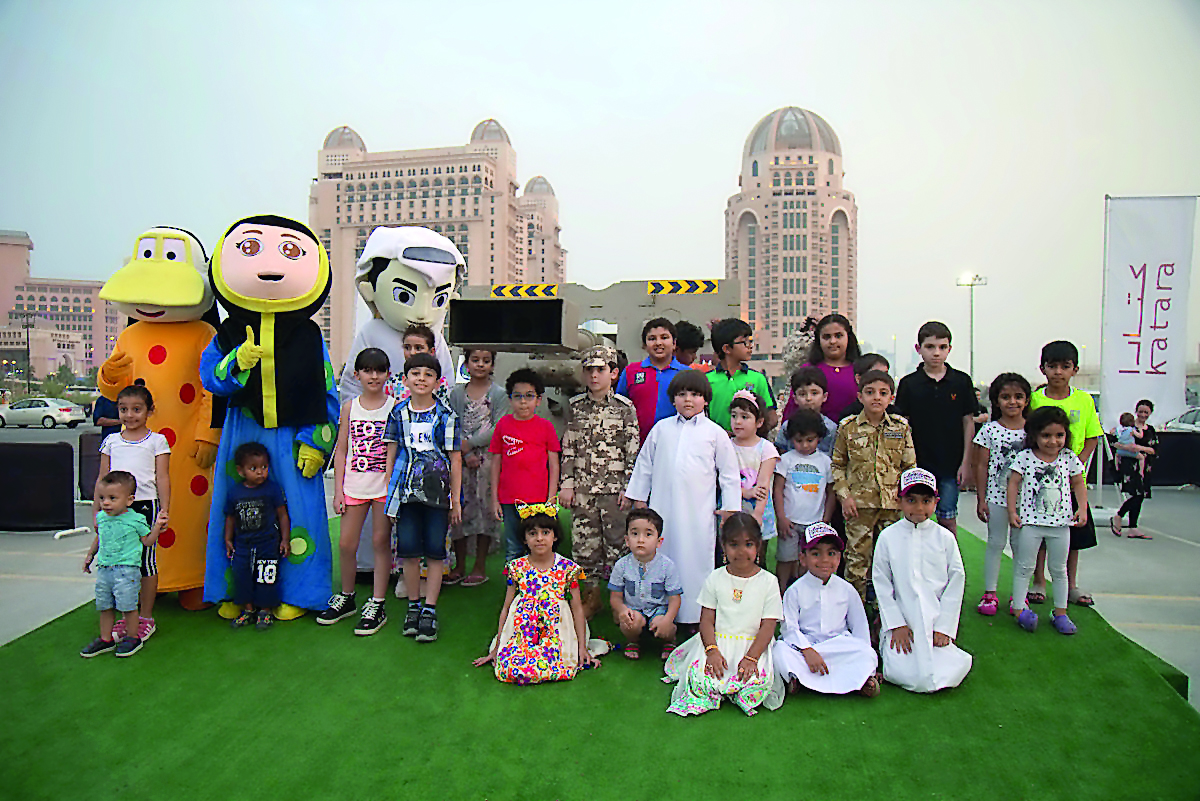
[(526, 448)]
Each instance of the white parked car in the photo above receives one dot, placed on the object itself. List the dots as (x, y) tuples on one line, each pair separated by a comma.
[(44, 412), (1188, 421)]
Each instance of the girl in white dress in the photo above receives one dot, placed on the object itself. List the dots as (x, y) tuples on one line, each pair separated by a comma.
[(826, 642), (1000, 439), (731, 656)]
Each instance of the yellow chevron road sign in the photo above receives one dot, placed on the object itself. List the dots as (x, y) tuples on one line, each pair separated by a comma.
[(705, 287), (525, 291)]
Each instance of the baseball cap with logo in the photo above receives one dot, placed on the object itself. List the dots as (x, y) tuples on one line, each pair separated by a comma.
[(819, 531), (917, 477), (599, 356)]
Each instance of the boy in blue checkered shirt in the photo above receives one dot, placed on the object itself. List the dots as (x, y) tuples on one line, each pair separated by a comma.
[(425, 464), (644, 586)]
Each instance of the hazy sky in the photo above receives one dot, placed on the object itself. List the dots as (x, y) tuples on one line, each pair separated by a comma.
[(976, 136)]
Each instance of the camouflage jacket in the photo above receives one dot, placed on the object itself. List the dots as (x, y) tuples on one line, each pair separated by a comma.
[(600, 444), (868, 460)]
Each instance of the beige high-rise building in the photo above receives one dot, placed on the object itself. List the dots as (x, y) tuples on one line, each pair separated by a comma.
[(467, 193), (791, 232)]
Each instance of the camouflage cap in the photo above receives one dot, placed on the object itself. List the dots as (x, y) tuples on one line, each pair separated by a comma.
[(599, 356)]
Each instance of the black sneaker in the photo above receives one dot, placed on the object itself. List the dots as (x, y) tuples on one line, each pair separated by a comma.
[(264, 620), (411, 621), (97, 647), (427, 628), (244, 618), (341, 605), (129, 646), (372, 620)]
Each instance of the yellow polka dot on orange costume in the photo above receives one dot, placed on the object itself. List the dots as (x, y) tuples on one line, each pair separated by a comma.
[(299, 546)]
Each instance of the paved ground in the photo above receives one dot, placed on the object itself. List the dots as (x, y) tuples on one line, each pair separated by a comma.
[(1148, 589)]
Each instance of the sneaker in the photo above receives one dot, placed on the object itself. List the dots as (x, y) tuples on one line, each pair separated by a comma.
[(411, 619), (341, 605), (263, 620), (97, 647), (427, 628), (146, 627), (372, 620), (1063, 625), (119, 629), (1028, 620), (245, 618), (129, 646), (988, 604)]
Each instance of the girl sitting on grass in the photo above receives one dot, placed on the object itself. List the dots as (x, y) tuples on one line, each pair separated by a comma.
[(542, 636), (731, 656)]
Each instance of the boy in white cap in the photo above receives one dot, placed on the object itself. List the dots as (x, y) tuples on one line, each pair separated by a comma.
[(826, 642), (919, 579)]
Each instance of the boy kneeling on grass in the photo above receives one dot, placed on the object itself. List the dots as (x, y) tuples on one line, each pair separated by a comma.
[(644, 587)]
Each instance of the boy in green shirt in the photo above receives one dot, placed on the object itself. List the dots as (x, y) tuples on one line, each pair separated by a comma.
[(1060, 363), (733, 341)]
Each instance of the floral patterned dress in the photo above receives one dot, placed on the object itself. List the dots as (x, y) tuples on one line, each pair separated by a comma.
[(538, 642)]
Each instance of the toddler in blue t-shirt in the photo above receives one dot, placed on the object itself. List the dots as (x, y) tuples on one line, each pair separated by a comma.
[(257, 536)]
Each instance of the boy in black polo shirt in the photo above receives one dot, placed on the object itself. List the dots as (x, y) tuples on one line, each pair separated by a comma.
[(939, 403)]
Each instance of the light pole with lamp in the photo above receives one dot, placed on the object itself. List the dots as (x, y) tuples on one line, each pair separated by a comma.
[(27, 319), (972, 280)]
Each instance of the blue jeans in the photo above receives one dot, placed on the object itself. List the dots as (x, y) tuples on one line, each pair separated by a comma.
[(421, 531), (947, 505), (117, 587), (256, 578), (514, 545)]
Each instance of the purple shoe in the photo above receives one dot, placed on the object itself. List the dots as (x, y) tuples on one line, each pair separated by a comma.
[(1063, 625), (1028, 620)]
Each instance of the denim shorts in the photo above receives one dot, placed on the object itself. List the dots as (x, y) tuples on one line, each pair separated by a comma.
[(117, 587), (947, 505), (421, 531)]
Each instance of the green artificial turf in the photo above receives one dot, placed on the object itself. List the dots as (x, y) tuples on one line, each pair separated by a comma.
[(309, 712)]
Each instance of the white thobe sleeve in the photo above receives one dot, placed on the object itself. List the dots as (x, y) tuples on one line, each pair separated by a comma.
[(856, 617), (639, 482), (952, 596), (890, 614), (729, 477), (791, 617)]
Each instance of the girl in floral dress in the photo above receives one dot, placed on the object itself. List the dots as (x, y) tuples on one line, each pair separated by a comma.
[(542, 636)]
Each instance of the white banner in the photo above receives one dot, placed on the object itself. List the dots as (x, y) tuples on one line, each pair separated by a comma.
[(1144, 349)]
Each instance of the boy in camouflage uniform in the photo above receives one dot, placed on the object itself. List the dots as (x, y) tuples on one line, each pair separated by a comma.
[(870, 452), (599, 448)]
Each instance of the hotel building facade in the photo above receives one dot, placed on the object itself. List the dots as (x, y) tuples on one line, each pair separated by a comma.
[(791, 231)]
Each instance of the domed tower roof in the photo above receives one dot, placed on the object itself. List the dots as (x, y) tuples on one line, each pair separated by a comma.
[(344, 137), (490, 131), (789, 128), (538, 185)]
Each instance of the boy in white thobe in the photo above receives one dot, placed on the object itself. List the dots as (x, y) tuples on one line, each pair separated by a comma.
[(919, 580), (682, 463), (826, 642)]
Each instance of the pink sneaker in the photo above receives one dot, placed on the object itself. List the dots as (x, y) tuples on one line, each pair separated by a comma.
[(119, 629), (988, 604), (146, 627)]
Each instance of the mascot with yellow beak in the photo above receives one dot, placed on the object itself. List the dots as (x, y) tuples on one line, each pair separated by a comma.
[(269, 361), (164, 291)]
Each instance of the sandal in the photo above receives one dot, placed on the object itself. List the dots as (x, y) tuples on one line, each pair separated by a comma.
[(632, 651), (989, 604), (1080, 598), (1114, 526), (1036, 597), (474, 580), (1063, 625), (1137, 534), (871, 688), (449, 580), (667, 649)]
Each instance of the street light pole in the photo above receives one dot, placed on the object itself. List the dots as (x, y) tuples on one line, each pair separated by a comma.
[(972, 280)]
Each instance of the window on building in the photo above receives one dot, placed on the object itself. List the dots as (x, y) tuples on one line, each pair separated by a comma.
[(754, 169)]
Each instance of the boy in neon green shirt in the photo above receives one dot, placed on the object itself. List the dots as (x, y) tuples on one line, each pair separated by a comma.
[(1060, 363)]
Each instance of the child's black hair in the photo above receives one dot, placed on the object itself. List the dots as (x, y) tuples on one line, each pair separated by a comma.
[(120, 478), (248, 450), (540, 520), (423, 360), (806, 421), (468, 351), (809, 375), (727, 330), (1044, 416), (688, 336), (742, 523), (876, 376), (418, 330), (1127, 419), (657, 322), (1007, 380), (751, 407), (816, 355), (867, 362), (648, 514), (525, 376), (139, 392), (372, 359), (935, 330), (1059, 352), (690, 381)]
